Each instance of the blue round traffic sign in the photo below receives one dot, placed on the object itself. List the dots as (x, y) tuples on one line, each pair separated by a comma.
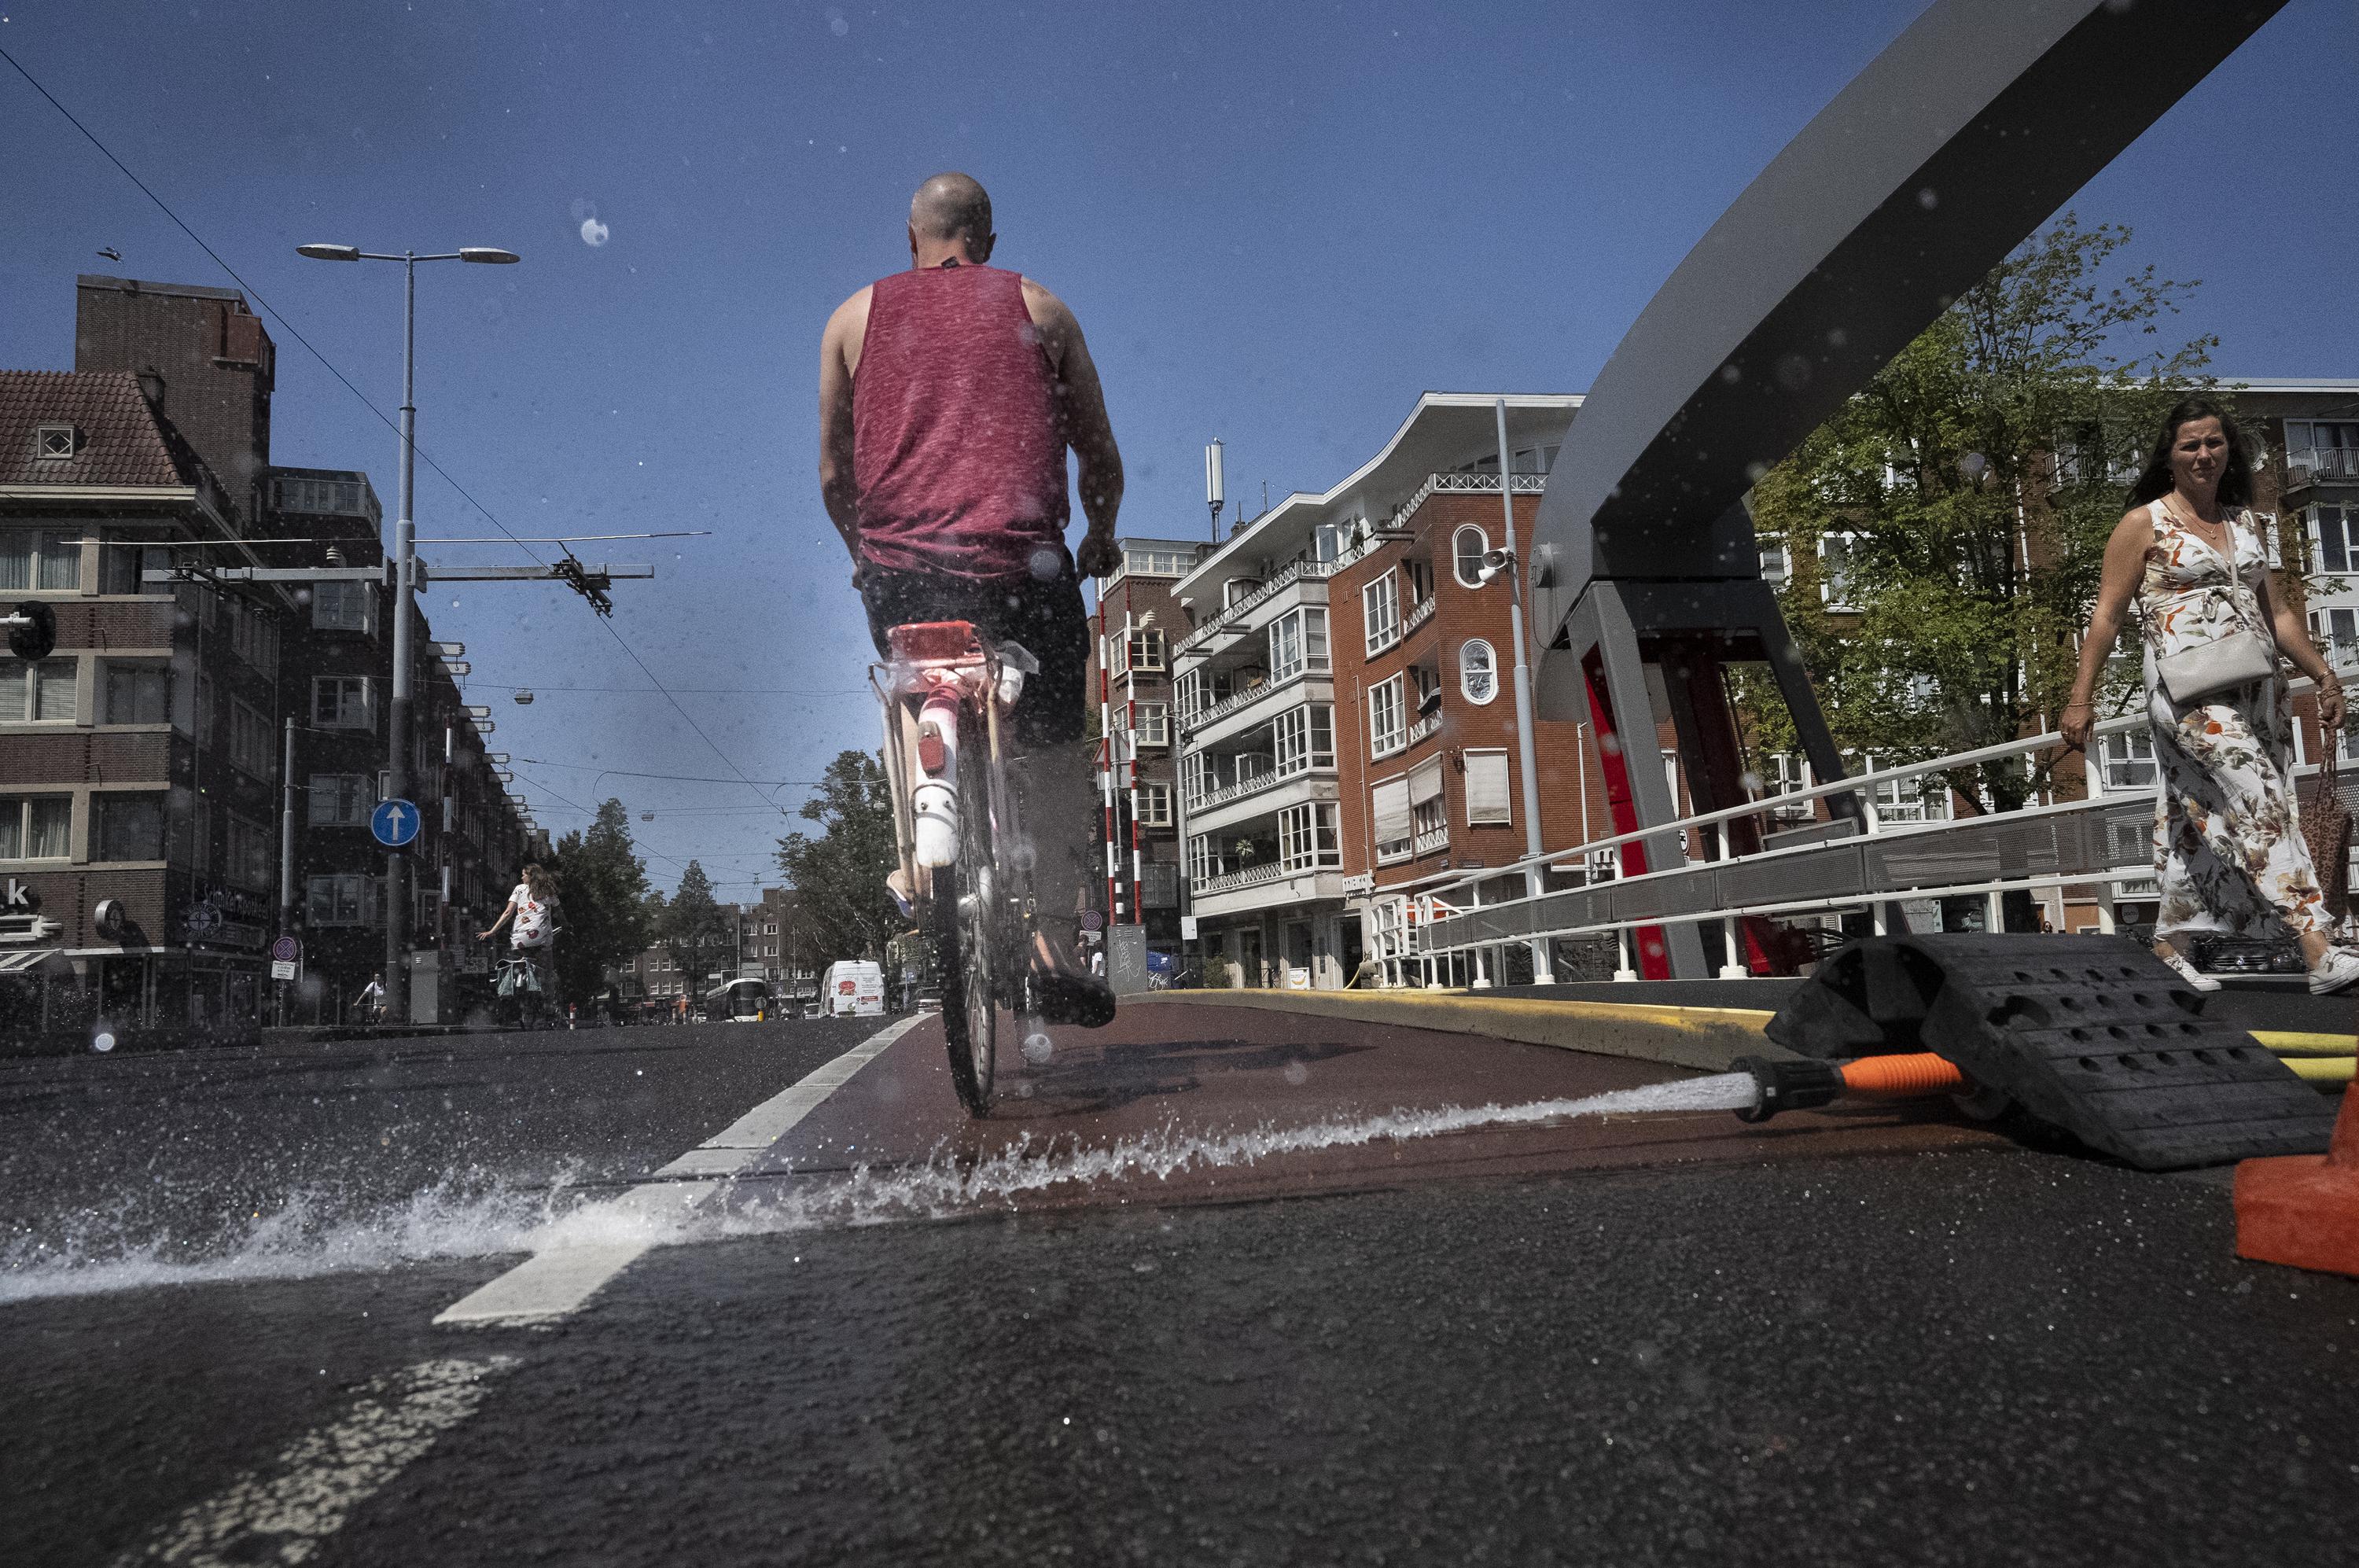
[(394, 823)]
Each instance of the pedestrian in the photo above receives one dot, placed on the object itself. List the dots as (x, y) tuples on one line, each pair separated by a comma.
[(2228, 848), (533, 907), (372, 1000)]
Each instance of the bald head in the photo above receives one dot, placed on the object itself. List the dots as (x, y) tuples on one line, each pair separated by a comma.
[(951, 216)]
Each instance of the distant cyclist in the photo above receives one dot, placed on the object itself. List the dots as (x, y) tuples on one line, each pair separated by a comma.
[(949, 395), (533, 907)]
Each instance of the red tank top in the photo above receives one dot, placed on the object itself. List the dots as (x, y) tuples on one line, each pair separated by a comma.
[(957, 447)]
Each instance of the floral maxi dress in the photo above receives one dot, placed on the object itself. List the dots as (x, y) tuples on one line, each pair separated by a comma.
[(2228, 849)]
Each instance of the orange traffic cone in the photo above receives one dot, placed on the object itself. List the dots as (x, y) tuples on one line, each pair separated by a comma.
[(2303, 1209)]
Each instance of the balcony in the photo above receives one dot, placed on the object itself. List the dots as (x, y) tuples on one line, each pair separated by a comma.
[(2309, 465), (1419, 613), (1237, 702), (1427, 725), (1255, 876), (1464, 483), (1429, 840), (1232, 615)]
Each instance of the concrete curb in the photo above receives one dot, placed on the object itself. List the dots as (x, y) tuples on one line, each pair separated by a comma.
[(1706, 1038)]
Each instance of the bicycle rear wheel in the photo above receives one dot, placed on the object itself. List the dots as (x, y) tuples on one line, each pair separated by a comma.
[(966, 920)]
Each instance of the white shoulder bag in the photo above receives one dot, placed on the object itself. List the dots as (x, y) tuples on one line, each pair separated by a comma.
[(2239, 659)]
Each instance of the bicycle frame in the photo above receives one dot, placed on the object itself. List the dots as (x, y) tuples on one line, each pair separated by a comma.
[(946, 667)]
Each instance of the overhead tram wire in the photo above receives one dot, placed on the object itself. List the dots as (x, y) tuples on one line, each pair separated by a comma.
[(296, 333)]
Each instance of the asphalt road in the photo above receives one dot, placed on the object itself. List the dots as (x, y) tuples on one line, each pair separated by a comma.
[(1879, 1338)]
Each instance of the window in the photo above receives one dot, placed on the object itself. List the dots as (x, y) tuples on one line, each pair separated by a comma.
[(1468, 546), (320, 497), (1487, 801), (343, 702), (1380, 613), (249, 863), (1387, 719), (1304, 738), (1835, 571), (1388, 810), (1154, 804), (36, 827), (2128, 759), (40, 559), (343, 800), (2333, 537), (1776, 566), (53, 443), (1429, 812), (2327, 448), (1297, 644), (1307, 840), (135, 693), (1416, 579), (1155, 562), (1917, 800), (2338, 632), (127, 827), (1151, 723), (123, 565), (253, 638), (1145, 649), (40, 693), (346, 898), (343, 607), (1478, 670), (249, 741)]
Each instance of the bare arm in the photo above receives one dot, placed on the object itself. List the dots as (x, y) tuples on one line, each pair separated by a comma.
[(486, 936), (2125, 565), (839, 357), (2293, 641), (1087, 427)]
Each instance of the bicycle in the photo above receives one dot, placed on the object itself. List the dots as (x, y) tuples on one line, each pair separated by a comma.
[(519, 987), (944, 692)]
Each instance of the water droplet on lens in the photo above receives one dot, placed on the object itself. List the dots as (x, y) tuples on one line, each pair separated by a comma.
[(1038, 1049)]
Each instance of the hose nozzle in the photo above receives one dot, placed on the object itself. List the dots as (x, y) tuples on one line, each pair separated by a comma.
[(1798, 1085)]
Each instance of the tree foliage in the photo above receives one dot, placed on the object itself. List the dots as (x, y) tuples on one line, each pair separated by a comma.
[(842, 910), (602, 890), (695, 930), (1958, 508)]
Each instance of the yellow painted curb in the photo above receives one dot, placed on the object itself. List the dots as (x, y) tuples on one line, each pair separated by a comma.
[(2321, 1069), (2288, 1044)]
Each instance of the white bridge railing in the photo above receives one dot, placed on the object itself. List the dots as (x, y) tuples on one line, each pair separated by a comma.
[(1848, 865)]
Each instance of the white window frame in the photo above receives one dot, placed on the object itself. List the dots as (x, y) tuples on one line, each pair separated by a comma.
[(350, 798), (1297, 644), (1380, 611), (1485, 815), (1457, 552), (21, 808), (1151, 723), (354, 890), (2345, 521), (2128, 759), (1388, 718), (1489, 670), (1146, 648), (42, 555), (1832, 577), (343, 719), (1153, 803), (36, 680), (54, 443), (330, 607), (1392, 851), (1777, 563)]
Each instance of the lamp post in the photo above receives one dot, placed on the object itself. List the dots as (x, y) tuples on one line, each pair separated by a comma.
[(1529, 761), (405, 535)]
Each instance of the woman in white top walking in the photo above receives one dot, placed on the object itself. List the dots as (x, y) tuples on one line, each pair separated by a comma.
[(2227, 838)]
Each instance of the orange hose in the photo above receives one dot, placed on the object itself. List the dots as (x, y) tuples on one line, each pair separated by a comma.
[(1903, 1077)]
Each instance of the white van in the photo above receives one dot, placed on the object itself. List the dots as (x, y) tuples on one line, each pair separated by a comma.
[(854, 989)]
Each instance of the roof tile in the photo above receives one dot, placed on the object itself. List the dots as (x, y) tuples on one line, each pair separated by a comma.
[(118, 438)]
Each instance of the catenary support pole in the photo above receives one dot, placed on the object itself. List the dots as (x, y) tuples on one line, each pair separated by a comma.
[(1535, 879), (397, 727)]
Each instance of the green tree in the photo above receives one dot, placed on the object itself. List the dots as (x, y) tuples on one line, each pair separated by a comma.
[(602, 890), (695, 930), (1947, 529), (842, 910)]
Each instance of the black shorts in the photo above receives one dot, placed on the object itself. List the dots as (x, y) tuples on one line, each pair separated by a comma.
[(1044, 614)]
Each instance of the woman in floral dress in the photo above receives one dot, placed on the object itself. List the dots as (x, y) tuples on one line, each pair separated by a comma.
[(2227, 836)]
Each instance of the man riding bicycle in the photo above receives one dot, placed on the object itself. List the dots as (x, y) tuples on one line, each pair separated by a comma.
[(948, 397)]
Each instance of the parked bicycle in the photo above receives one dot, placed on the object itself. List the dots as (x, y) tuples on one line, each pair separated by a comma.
[(945, 692)]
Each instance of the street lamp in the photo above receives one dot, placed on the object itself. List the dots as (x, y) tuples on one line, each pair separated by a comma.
[(405, 534)]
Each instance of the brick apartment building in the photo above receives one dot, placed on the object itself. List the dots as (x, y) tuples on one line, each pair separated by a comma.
[(760, 942), (1136, 620), (1347, 734), (141, 764)]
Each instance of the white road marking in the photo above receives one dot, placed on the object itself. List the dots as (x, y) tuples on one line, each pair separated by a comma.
[(555, 1283), (282, 1513)]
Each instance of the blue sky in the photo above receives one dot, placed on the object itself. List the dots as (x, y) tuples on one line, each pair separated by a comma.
[(1277, 224)]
